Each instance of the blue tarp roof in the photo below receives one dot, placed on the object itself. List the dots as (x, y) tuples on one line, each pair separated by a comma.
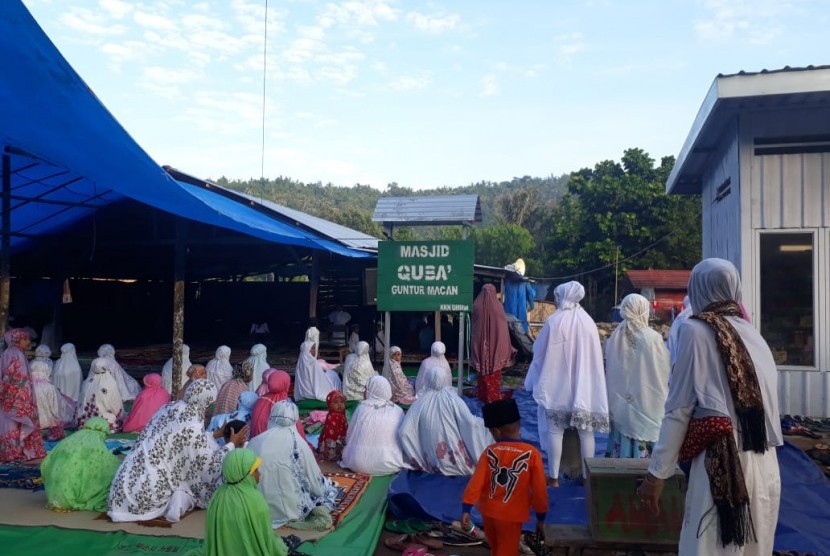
[(70, 156)]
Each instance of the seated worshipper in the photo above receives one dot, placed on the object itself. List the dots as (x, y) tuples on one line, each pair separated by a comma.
[(67, 375), (77, 473), (262, 389), (167, 371), (313, 335), (19, 425), (194, 373), (238, 521), (228, 399), (380, 341), (44, 353), (100, 396), (311, 382), (55, 411), (402, 390), (439, 434), (354, 338), (259, 360), (291, 482), (260, 331), (722, 415), (637, 378), (372, 444), (128, 387), (436, 359), (492, 349), (358, 373), (175, 465), (146, 403), (219, 369), (279, 383), (333, 438), (244, 412)]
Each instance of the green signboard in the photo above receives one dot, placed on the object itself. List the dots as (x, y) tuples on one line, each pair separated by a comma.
[(425, 275)]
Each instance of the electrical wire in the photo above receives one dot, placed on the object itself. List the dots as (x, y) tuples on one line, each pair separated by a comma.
[(264, 76)]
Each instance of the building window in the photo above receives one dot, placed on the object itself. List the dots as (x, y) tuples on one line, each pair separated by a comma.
[(787, 294)]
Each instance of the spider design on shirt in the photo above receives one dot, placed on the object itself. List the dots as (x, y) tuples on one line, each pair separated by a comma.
[(506, 477)]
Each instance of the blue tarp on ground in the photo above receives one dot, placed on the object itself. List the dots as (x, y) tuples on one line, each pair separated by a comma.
[(802, 521), (69, 156)]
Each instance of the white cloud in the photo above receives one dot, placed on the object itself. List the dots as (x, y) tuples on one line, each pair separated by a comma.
[(166, 82), (489, 86), (410, 83), (362, 13), (115, 8), (758, 21), (568, 45), (535, 70), (154, 21), (90, 23), (433, 24)]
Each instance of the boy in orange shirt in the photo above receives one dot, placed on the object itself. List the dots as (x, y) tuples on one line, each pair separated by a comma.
[(508, 480)]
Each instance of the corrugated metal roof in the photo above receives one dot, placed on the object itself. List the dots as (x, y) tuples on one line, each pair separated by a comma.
[(662, 279), (437, 209), (342, 234), (731, 95)]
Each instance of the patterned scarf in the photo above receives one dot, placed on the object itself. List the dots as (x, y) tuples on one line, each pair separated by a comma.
[(722, 464)]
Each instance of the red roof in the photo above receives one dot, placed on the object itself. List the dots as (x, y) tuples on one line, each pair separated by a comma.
[(659, 279)]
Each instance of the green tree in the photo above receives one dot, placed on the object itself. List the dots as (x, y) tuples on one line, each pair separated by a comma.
[(501, 244)]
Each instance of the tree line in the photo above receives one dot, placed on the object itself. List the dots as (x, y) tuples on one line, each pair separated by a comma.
[(590, 225)]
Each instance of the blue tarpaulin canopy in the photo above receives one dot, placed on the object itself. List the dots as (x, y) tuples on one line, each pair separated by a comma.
[(68, 156)]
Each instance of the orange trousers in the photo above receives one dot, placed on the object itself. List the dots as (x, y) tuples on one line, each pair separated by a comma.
[(503, 536)]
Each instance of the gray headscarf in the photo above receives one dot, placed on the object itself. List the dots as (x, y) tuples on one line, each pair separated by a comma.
[(713, 280)]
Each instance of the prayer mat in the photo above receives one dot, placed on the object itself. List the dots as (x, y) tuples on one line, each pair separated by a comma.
[(351, 487), (18, 475), (157, 522)]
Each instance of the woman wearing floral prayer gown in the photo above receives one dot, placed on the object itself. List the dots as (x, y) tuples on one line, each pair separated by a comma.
[(492, 349), (128, 387), (372, 443), (100, 396), (20, 438), (259, 360), (436, 359), (637, 377), (310, 380), (402, 390), (238, 521), (54, 410), (358, 374), (78, 472), (148, 401), (67, 375), (291, 482), (219, 369), (439, 434), (228, 398), (175, 465), (167, 371)]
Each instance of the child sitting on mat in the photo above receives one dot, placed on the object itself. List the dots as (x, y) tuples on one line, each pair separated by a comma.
[(508, 480), (333, 438)]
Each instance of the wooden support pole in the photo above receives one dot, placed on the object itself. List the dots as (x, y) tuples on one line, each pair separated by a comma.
[(5, 245), (178, 304), (315, 287), (387, 335), (437, 325), (461, 345)]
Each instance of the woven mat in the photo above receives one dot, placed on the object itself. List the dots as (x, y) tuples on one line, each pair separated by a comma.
[(157, 522), (351, 487), (18, 475)]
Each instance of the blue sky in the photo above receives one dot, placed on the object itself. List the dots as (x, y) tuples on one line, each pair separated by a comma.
[(425, 94)]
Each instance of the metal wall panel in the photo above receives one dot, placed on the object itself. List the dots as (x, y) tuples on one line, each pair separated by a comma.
[(722, 218)]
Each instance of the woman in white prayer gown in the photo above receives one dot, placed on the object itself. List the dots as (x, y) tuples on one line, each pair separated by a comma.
[(44, 353), (175, 465), (671, 343), (290, 479), (53, 408), (436, 359), (259, 360), (439, 434), (67, 375), (372, 442), (313, 335), (219, 369), (637, 377), (311, 382), (357, 375), (100, 396), (700, 391), (167, 370), (567, 378), (128, 387)]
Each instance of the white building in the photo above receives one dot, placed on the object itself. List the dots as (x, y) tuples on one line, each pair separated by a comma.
[(759, 155)]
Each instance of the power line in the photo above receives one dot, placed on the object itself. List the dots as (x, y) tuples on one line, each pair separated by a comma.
[(264, 75)]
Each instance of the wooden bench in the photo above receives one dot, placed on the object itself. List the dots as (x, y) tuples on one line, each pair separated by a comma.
[(576, 540)]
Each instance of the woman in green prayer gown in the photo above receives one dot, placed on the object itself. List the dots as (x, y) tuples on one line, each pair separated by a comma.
[(78, 472), (238, 521)]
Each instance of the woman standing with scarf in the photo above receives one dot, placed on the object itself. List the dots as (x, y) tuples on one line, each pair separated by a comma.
[(637, 377), (722, 414), (20, 438), (492, 350)]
